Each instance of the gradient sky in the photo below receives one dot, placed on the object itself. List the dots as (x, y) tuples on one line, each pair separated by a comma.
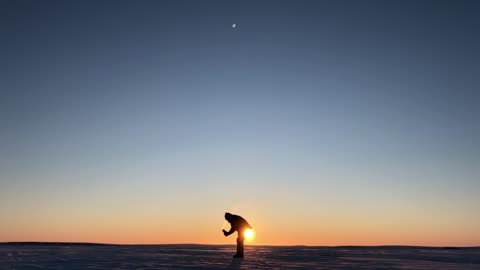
[(321, 122)]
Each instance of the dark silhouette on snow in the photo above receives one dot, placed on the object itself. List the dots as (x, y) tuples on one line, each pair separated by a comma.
[(235, 264), (239, 225)]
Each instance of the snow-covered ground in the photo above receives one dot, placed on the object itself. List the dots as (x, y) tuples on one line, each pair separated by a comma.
[(81, 256)]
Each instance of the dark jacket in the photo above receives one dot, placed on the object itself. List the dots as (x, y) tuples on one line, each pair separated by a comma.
[(238, 223)]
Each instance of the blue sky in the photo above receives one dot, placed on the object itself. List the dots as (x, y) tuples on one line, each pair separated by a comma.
[(322, 106)]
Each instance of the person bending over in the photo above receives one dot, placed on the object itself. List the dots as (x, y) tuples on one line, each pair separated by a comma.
[(239, 225)]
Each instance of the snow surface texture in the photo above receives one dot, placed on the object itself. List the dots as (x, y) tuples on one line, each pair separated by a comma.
[(90, 256)]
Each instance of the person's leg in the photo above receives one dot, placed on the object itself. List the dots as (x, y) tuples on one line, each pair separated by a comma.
[(240, 240)]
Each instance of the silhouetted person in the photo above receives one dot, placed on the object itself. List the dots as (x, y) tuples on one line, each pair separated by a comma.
[(239, 225)]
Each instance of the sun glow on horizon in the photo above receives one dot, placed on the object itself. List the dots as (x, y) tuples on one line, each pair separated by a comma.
[(249, 234)]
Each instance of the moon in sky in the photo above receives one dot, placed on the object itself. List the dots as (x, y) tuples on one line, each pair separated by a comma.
[(234, 25)]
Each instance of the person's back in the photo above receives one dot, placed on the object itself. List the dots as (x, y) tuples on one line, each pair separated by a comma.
[(238, 224)]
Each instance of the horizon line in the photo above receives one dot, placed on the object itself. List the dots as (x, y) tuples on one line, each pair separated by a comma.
[(197, 244)]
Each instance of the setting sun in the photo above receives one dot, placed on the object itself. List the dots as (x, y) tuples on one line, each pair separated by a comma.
[(249, 234)]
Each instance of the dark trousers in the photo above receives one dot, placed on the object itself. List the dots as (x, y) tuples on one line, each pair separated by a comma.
[(240, 240)]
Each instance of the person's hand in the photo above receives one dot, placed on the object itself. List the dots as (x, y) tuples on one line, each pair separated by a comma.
[(224, 232)]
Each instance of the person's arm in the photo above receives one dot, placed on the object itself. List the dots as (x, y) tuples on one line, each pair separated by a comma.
[(232, 230)]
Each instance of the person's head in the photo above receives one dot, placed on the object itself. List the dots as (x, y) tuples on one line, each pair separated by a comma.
[(228, 216)]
